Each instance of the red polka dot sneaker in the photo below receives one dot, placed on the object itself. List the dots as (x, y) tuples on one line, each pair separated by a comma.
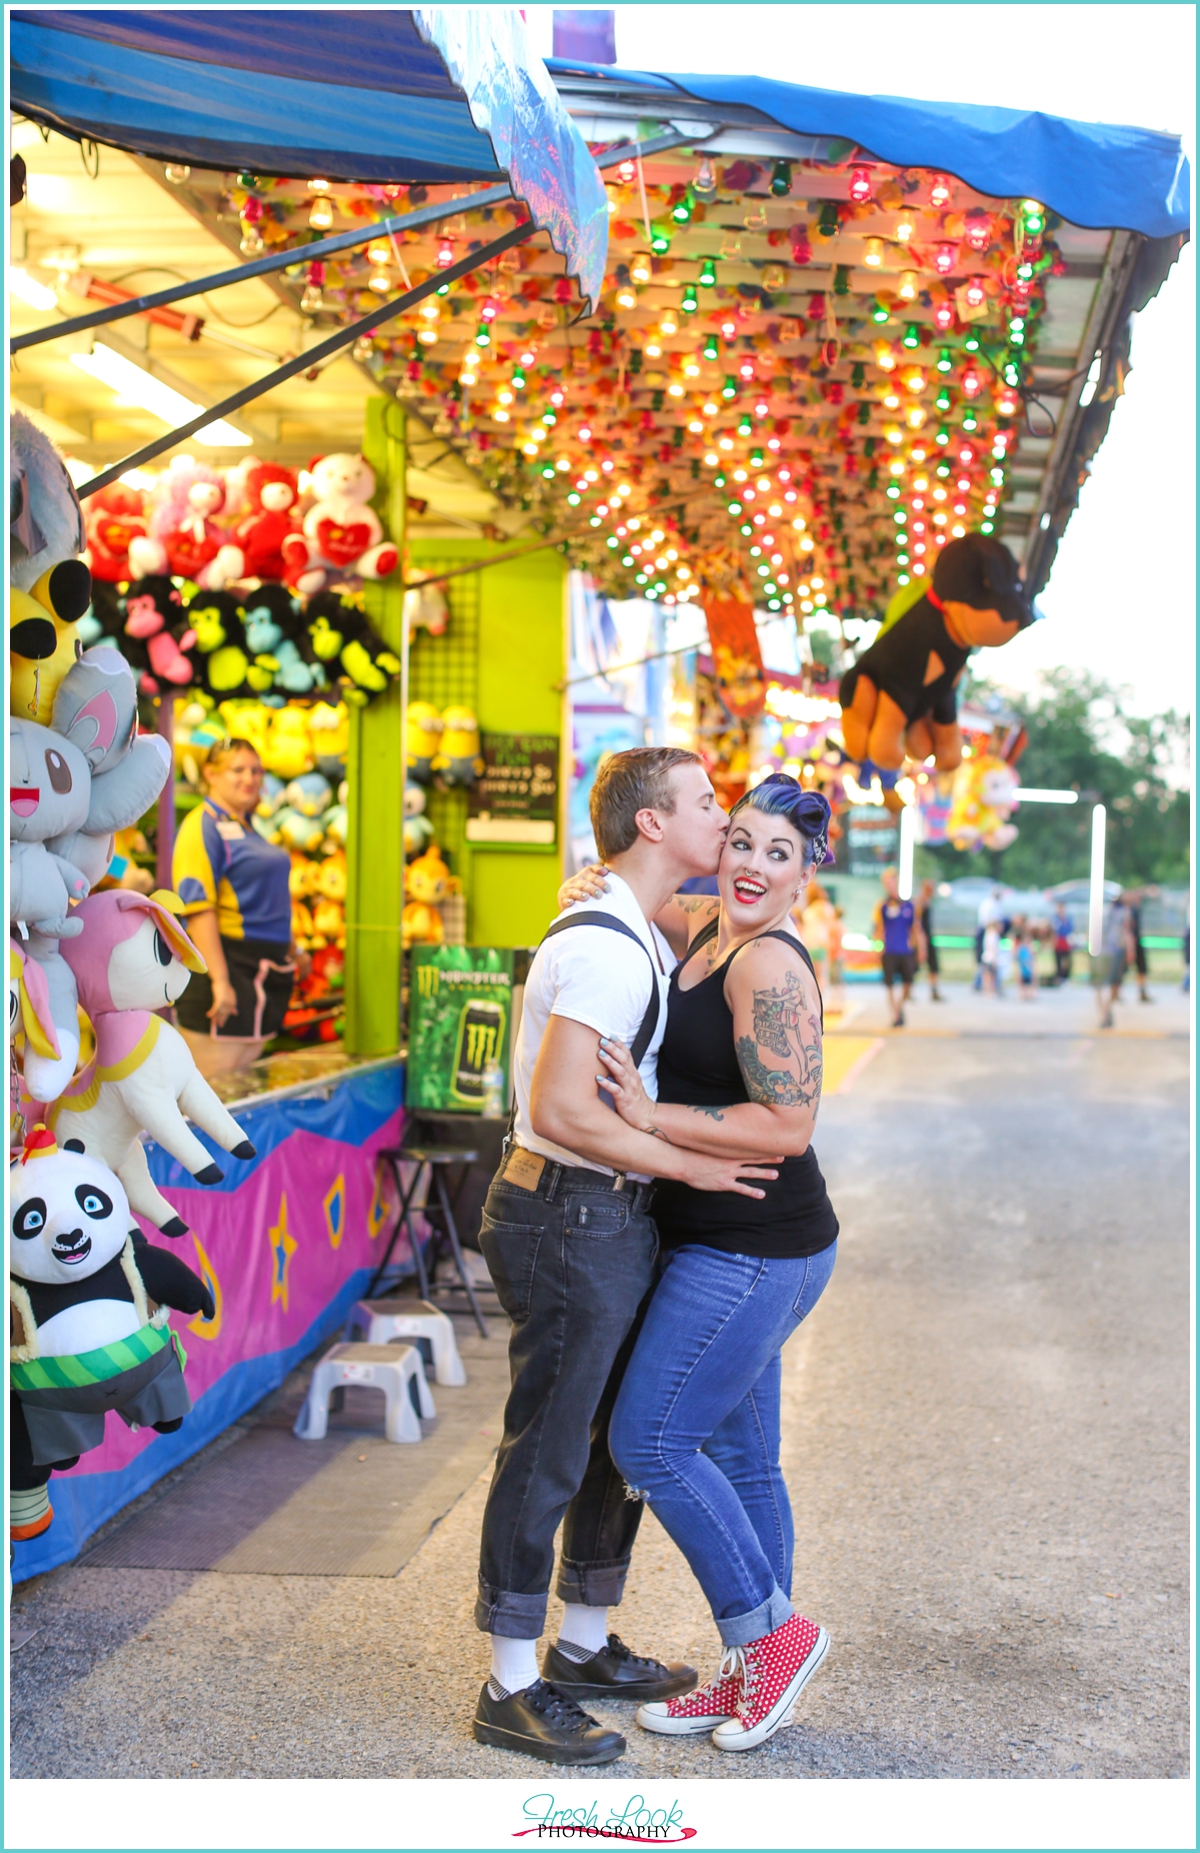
[(776, 1668), (695, 1714)]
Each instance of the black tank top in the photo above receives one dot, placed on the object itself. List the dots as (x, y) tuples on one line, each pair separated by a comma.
[(698, 1067)]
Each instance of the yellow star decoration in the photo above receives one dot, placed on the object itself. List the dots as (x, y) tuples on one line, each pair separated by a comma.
[(334, 1206), (202, 1327), (282, 1248), (377, 1215)]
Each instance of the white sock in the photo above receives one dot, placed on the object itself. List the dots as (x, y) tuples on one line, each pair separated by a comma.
[(514, 1665), (584, 1628)]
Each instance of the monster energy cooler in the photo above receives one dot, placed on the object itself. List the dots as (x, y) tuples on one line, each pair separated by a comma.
[(480, 1041)]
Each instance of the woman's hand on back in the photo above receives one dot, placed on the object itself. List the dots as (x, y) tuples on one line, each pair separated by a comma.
[(588, 885), (624, 1087)]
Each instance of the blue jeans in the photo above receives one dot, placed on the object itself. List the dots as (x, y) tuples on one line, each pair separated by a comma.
[(695, 1428)]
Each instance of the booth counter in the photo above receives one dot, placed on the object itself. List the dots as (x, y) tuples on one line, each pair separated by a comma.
[(287, 1243)]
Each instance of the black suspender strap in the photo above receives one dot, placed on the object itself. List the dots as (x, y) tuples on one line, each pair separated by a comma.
[(649, 1023)]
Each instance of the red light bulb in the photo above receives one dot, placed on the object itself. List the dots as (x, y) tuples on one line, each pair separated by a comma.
[(860, 185), (939, 192), (945, 258), (943, 316)]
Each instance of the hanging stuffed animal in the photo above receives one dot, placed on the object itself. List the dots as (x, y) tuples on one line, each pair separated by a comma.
[(184, 539), (423, 727), (983, 800), (113, 518), (133, 957), (49, 791), (425, 608), (338, 633), (89, 1298), (458, 762), (900, 696), (47, 1059), (155, 619), (273, 495), (44, 637), (426, 883), (45, 519), (96, 710), (418, 831), (329, 728), (220, 659), (287, 748), (274, 629), (342, 533)]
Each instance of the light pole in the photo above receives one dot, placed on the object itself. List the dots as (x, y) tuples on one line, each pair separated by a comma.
[(1096, 889)]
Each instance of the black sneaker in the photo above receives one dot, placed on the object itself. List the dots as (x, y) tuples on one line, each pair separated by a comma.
[(615, 1673), (543, 1722)]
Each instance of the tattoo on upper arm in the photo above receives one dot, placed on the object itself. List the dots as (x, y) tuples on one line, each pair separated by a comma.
[(784, 1025)]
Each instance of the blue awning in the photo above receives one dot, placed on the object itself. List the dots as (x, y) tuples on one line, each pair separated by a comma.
[(1093, 174), (386, 95)]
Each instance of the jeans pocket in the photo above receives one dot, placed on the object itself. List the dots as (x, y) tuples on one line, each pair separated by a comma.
[(817, 1270), (511, 1251), (595, 1215)]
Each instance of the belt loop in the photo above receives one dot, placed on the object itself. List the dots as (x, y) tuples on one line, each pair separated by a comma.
[(555, 1172), (618, 1183)]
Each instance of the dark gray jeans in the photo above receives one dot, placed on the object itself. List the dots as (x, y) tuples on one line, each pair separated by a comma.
[(573, 1264)]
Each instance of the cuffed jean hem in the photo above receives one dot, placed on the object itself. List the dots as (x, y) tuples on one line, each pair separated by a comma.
[(598, 1586), (514, 1617), (740, 1630)]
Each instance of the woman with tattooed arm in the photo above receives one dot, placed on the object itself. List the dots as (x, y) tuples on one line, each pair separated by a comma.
[(695, 1430)]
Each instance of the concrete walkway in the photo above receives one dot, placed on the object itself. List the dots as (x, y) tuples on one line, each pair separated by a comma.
[(986, 1438)]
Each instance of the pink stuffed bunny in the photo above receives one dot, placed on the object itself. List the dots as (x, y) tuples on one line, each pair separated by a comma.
[(133, 958)]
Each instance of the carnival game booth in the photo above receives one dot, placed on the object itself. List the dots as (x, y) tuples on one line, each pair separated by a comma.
[(732, 344), (252, 574)]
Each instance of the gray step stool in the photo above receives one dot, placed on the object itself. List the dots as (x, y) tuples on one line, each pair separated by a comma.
[(383, 1321), (397, 1370)]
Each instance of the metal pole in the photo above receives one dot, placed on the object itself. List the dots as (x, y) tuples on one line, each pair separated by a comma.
[(341, 337), (307, 254), (1096, 889), (908, 837), (165, 835)]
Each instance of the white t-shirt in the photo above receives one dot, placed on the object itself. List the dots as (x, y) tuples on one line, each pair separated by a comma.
[(597, 977)]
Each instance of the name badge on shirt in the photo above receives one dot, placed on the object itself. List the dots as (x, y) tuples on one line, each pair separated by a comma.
[(523, 1168), (228, 831)]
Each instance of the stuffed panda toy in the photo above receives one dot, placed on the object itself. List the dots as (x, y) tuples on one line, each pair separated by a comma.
[(88, 1309)]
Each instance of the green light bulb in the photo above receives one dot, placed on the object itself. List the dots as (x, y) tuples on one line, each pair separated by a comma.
[(708, 274)]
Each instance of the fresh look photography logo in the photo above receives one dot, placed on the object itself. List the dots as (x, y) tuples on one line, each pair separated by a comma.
[(632, 1820)]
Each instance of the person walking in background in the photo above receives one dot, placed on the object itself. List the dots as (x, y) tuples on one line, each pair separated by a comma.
[(925, 923), (1025, 947), (1061, 929), (991, 912), (896, 925), (1135, 899), (1116, 954), (989, 958)]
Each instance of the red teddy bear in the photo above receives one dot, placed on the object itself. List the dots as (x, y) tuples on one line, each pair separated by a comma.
[(273, 495), (113, 516)]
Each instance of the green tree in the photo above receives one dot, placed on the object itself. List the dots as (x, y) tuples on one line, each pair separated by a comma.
[(1080, 739)]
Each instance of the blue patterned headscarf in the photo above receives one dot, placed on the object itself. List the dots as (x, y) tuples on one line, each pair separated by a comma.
[(780, 795)]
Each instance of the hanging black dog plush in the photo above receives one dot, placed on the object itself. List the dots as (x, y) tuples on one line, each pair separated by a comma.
[(88, 1303), (900, 697)]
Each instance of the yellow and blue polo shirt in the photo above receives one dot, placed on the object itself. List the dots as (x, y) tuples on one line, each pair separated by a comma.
[(222, 863)]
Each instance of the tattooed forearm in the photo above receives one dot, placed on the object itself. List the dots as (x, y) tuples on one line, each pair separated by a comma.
[(713, 1113)]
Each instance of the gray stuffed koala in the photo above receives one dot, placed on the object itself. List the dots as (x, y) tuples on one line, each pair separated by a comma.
[(49, 793), (96, 710)]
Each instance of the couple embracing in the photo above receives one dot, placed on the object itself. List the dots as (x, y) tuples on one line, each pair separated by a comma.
[(654, 1260)]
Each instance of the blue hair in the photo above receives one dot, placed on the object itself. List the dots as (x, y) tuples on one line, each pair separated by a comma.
[(780, 795)]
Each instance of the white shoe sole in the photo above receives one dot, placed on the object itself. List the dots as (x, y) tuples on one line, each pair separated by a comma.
[(655, 1717), (730, 1736)]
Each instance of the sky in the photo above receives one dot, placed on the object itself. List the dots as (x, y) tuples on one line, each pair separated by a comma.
[(1121, 597)]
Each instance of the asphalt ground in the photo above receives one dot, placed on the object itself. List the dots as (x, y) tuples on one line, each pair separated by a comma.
[(986, 1432)]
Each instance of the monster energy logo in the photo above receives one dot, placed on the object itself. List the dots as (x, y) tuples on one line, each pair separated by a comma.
[(427, 980), (481, 1044)]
